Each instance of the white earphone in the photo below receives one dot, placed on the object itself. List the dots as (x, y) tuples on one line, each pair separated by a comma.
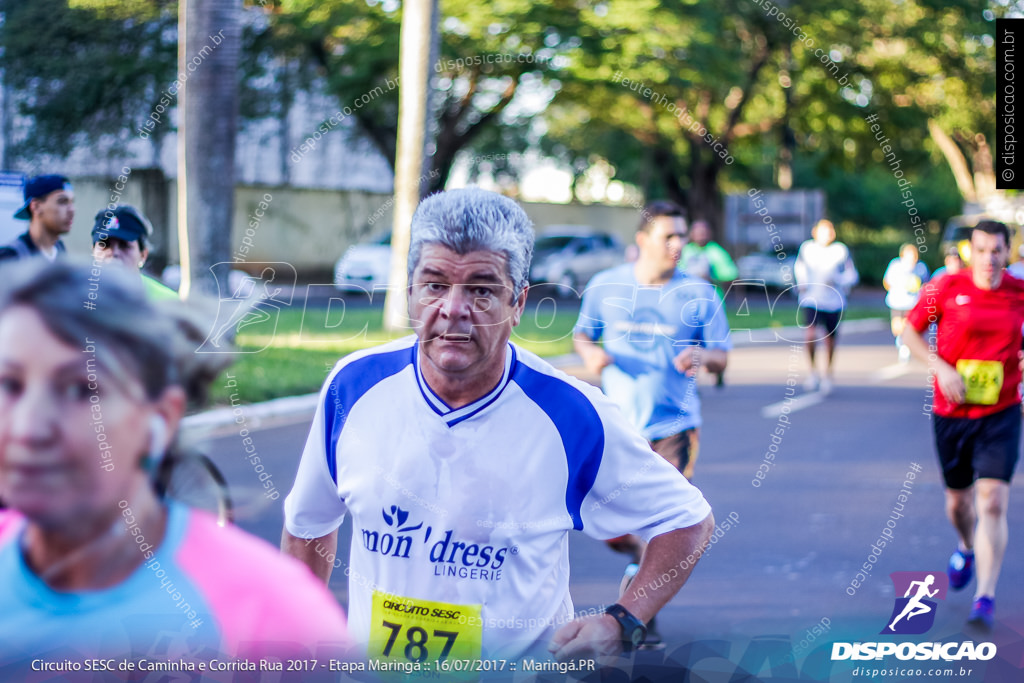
[(157, 441)]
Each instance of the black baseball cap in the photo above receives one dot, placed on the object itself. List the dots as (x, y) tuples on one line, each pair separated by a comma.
[(122, 222), (40, 186)]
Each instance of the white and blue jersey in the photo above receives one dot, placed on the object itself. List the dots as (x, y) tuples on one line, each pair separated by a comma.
[(644, 328), (466, 512)]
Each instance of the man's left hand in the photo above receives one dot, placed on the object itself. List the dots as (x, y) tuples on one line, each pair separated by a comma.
[(589, 637)]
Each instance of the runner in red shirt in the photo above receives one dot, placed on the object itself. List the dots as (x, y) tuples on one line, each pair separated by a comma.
[(977, 421)]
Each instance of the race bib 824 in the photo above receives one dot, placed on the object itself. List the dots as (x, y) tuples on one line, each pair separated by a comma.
[(983, 380)]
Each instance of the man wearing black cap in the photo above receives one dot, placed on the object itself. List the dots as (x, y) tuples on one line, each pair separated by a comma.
[(50, 208), (123, 234)]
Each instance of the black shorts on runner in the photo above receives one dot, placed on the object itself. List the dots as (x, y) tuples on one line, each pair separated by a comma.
[(981, 448), (827, 319), (681, 450)]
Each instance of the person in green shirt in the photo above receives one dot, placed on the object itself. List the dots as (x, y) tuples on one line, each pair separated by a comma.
[(122, 233), (705, 258)]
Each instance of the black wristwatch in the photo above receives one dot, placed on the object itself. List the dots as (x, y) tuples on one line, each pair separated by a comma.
[(633, 630)]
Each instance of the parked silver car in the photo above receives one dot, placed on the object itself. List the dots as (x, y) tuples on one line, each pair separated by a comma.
[(364, 266), (564, 255), (570, 255), (776, 273)]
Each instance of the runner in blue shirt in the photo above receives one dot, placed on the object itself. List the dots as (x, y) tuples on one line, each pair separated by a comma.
[(647, 328)]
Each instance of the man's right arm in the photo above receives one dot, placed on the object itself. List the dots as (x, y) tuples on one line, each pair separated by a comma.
[(947, 379), (314, 510), (722, 265), (589, 328), (800, 270), (312, 552), (595, 358), (886, 278), (847, 277), (928, 310)]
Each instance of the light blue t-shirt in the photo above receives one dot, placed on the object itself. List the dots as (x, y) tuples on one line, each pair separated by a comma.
[(644, 328), (206, 592), (137, 617)]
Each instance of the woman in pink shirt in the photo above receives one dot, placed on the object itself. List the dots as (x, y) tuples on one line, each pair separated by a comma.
[(94, 380)]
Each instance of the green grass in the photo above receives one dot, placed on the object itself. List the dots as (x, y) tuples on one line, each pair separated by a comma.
[(293, 354), (786, 315)]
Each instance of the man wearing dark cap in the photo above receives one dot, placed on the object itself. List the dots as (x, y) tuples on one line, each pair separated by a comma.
[(123, 234), (50, 208)]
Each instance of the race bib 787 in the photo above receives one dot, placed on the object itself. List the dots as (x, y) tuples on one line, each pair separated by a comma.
[(414, 630)]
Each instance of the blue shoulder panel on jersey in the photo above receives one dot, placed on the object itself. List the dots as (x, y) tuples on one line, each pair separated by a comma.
[(577, 423), (349, 385)]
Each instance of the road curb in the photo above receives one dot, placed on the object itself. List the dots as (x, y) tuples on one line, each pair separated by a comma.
[(251, 413)]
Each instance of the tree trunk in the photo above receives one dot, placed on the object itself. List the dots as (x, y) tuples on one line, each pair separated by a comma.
[(705, 198), (984, 169), (430, 127), (209, 36), (955, 159), (665, 162), (713, 209), (7, 109), (156, 204), (414, 68)]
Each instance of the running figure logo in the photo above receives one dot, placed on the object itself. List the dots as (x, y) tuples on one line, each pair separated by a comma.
[(253, 300), (914, 613)]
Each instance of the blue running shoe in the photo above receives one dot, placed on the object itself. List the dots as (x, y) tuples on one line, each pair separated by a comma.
[(983, 613), (961, 569)]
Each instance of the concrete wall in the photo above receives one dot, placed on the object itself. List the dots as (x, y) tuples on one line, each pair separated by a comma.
[(308, 228), (91, 196), (620, 220)]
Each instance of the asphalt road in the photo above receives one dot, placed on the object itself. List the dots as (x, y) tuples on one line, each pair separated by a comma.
[(775, 587)]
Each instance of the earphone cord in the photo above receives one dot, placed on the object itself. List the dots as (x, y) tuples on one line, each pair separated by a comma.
[(117, 529)]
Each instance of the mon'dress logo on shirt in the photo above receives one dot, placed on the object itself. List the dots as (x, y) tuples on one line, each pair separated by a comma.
[(401, 538)]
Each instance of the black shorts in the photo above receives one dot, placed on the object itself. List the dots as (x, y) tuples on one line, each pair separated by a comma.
[(681, 450), (981, 448), (827, 319)]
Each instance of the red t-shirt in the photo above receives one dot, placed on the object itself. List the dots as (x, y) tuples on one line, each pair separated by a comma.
[(975, 325)]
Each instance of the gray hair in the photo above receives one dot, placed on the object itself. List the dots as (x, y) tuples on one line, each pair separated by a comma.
[(472, 219), (133, 339)]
